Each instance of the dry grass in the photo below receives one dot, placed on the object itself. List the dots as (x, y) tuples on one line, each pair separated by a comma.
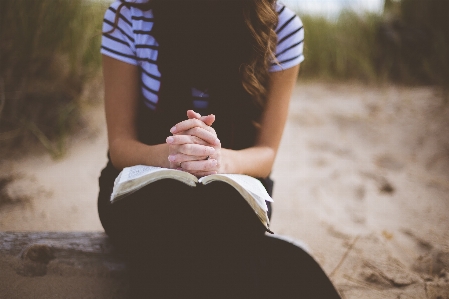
[(342, 49), (49, 51), (409, 44)]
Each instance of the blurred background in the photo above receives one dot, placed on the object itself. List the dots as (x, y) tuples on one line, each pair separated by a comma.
[(49, 55), (363, 167)]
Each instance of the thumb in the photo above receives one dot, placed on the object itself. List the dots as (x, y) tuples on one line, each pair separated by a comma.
[(208, 119), (192, 114)]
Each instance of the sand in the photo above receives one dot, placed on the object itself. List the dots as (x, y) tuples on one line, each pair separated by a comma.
[(362, 177)]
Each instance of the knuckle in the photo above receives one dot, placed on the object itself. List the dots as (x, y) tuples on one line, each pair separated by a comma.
[(180, 127), (175, 140), (184, 148), (189, 132), (215, 163), (210, 130), (198, 140), (180, 138), (196, 131), (204, 151)]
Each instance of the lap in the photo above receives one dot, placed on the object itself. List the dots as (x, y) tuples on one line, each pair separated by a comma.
[(206, 241), (175, 210)]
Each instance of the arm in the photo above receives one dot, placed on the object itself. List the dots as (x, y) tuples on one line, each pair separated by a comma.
[(258, 160), (121, 81)]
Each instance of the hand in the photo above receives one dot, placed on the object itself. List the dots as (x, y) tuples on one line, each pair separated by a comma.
[(194, 146), (209, 120)]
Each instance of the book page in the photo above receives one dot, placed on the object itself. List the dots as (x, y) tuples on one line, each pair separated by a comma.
[(250, 189), (134, 172), (250, 184), (133, 178)]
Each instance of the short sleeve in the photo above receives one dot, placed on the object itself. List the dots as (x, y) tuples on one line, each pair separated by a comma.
[(290, 40), (119, 43)]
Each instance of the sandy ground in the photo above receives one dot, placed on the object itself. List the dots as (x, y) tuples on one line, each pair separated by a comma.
[(361, 177)]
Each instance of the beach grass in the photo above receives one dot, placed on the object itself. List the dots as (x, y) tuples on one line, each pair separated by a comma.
[(342, 49), (408, 44), (49, 51)]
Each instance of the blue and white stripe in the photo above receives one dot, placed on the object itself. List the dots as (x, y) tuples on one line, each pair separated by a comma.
[(133, 43)]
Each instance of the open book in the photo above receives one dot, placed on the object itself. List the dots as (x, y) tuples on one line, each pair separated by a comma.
[(134, 178)]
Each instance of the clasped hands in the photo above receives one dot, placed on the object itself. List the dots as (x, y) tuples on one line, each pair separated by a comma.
[(194, 146)]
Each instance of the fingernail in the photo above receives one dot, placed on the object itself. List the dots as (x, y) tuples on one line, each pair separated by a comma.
[(212, 149), (171, 158), (217, 141), (214, 162), (170, 139), (172, 130)]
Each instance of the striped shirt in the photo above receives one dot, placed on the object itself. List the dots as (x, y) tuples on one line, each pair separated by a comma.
[(133, 43)]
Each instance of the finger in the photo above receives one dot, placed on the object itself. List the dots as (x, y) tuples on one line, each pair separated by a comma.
[(200, 166), (208, 119), (192, 114), (181, 158), (205, 135), (184, 139), (189, 124), (196, 150)]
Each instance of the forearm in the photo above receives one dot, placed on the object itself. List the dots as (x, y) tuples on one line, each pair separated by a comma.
[(129, 152), (255, 161)]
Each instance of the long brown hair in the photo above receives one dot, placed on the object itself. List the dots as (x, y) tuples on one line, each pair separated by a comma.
[(260, 18)]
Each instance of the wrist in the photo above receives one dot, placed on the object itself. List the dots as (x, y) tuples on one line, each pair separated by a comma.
[(157, 155), (164, 162), (227, 161)]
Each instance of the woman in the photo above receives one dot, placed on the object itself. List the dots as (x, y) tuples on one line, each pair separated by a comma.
[(168, 65)]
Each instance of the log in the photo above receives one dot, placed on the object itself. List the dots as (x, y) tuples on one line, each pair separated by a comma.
[(64, 265), (60, 265)]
